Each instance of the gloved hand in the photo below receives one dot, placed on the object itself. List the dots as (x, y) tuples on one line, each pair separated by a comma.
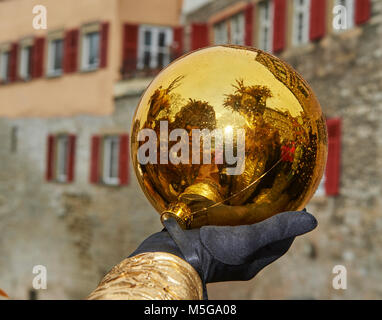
[(233, 253)]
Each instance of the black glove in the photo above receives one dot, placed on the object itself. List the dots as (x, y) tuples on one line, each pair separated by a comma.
[(231, 253)]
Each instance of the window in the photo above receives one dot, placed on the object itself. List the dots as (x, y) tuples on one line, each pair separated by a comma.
[(301, 13), (237, 29), (345, 15), (90, 55), (221, 33), (154, 47), (14, 133), (4, 66), (90, 47), (60, 157), (55, 55), (25, 66), (111, 160), (230, 31), (265, 30)]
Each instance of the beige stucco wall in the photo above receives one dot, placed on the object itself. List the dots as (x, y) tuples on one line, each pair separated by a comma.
[(161, 12), (78, 93)]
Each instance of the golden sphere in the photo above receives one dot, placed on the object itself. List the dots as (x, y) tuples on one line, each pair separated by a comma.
[(228, 135)]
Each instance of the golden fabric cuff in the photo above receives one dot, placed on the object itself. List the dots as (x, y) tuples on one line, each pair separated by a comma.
[(150, 276)]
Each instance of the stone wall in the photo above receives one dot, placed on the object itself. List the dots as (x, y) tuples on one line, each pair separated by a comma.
[(345, 71), (78, 231)]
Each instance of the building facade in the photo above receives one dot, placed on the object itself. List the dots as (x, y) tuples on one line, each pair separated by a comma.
[(335, 46), (69, 200)]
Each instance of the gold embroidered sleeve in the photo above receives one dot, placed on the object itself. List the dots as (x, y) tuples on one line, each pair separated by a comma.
[(150, 276)]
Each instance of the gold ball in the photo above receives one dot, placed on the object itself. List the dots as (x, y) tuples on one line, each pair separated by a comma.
[(228, 135)]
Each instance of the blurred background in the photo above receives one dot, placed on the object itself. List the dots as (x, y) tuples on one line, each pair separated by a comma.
[(69, 200)]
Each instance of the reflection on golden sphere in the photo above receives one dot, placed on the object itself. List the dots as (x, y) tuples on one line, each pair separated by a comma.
[(274, 138)]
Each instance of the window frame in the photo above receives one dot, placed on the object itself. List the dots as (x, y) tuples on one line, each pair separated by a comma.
[(86, 30), (237, 38), (107, 159), (298, 9), (223, 30), (4, 78), (62, 158), (153, 48), (265, 24), (23, 74), (50, 70), (221, 33)]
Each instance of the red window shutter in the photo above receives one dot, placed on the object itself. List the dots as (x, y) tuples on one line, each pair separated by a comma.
[(66, 62), (199, 35), (178, 42), (32, 58), (95, 159), (123, 159), (74, 50), (129, 47), (279, 21), (71, 51), (249, 14), (38, 57), (332, 172), (104, 35), (317, 19), (50, 146), (362, 11), (13, 61), (71, 156)]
